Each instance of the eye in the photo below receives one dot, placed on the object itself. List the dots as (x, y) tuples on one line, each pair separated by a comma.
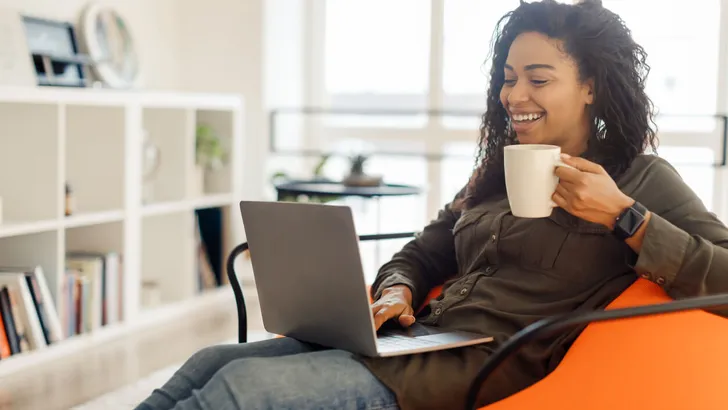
[(538, 82), (509, 82)]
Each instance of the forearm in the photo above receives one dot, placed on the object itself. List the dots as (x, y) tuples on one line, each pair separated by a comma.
[(420, 266), (424, 262), (685, 262)]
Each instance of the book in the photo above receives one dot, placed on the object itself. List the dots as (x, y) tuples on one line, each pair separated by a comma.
[(92, 291), (27, 322), (44, 306), (4, 344), (8, 320)]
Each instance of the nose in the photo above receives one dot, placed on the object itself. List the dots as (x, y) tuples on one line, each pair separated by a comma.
[(518, 94)]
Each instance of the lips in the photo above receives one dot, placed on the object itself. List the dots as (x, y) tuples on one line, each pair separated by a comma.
[(524, 122)]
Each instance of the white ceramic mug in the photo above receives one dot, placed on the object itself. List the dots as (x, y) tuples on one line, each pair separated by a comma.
[(530, 179)]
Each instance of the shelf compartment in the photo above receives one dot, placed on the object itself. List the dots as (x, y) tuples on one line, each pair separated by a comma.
[(37, 249), (97, 251), (29, 181), (97, 238), (167, 258), (95, 157), (169, 130), (216, 181)]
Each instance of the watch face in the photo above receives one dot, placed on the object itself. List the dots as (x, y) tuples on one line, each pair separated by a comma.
[(629, 222)]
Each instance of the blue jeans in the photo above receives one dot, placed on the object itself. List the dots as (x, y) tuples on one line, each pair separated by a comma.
[(272, 374)]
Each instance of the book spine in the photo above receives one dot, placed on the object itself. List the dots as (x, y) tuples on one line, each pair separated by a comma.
[(19, 325), (7, 315), (53, 323), (38, 302), (4, 344)]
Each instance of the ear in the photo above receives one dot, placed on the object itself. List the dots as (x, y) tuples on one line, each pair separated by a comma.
[(588, 91)]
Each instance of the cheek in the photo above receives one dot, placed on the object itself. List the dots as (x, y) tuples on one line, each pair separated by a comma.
[(504, 97), (563, 109)]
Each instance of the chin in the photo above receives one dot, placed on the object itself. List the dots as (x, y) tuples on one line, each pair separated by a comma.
[(530, 139)]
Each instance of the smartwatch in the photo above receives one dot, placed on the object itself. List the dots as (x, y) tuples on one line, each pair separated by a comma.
[(629, 221)]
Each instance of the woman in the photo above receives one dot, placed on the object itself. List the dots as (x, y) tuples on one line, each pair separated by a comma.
[(568, 75)]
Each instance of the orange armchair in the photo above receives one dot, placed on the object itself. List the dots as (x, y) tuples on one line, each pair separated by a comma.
[(644, 351)]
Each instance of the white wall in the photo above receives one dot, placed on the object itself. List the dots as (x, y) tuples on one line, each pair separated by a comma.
[(221, 50), (154, 25), (249, 47)]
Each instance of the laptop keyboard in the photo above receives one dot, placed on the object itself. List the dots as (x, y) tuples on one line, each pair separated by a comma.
[(404, 342)]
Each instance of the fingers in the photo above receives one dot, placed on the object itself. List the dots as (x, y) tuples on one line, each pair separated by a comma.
[(406, 320), (563, 191), (559, 200), (384, 312), (580, 164), (568, 174)]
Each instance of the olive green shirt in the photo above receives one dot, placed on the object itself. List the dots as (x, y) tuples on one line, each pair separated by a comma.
[(502, 273)]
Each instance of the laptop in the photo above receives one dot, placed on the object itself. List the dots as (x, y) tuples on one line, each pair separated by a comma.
[(311, 283)]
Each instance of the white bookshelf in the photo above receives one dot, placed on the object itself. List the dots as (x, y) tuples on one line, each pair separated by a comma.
[(92, 138)]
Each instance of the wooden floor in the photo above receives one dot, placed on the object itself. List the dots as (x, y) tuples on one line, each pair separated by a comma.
[(72, 380)]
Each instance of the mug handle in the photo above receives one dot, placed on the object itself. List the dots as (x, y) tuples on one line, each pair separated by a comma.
[(560, 163)]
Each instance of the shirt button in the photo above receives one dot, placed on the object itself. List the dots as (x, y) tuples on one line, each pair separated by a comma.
[(492, 238), (645, 276), (661, 280), (463, 291), (489, 270), (438, 311)]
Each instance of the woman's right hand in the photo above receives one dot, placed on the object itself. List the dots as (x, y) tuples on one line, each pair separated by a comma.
[(395, 302)]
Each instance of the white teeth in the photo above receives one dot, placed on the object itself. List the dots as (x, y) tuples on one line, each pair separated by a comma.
[(526, 117)]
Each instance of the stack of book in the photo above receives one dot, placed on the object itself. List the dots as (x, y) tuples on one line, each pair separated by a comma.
[(91, 295), (90, 298), (28, 317)]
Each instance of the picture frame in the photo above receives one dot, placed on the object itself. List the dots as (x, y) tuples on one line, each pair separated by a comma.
[(54, 50)]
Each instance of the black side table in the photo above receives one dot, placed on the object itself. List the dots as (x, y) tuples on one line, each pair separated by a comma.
[(333, 190)]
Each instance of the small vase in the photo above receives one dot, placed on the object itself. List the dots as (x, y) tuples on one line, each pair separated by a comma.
[(362, 180), (217, 181)]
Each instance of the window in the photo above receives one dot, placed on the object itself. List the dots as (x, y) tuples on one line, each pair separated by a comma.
[(377, 47), (379, 55), (681, 40), (468, 31), (695, 166)]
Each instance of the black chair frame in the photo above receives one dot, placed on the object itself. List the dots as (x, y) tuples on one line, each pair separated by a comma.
[(537, 330)]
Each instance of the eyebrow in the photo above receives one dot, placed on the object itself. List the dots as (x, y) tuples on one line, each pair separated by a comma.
[(533, 67)]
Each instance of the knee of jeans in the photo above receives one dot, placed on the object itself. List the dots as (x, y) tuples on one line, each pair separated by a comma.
[(251, 372)]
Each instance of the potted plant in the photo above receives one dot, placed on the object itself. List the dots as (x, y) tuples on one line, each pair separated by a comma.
[(210, 159), (358, 176)]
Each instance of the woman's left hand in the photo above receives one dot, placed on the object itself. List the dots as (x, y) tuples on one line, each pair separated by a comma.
[(588, 192)]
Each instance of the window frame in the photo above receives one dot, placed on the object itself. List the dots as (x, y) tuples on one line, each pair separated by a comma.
[(436, 136)]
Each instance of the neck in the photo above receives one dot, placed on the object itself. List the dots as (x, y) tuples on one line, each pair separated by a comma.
[(575, 149), (578, 143)]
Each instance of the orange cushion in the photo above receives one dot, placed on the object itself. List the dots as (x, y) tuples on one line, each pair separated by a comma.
[(673, 361)]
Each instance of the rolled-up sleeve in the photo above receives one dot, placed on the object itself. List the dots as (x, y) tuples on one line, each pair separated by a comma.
[(685, 248), (424, 262)]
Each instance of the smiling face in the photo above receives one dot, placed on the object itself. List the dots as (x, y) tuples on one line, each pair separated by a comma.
[(543, 95)]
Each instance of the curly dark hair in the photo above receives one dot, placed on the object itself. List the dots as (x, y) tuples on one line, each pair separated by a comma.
[(622, 125)]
